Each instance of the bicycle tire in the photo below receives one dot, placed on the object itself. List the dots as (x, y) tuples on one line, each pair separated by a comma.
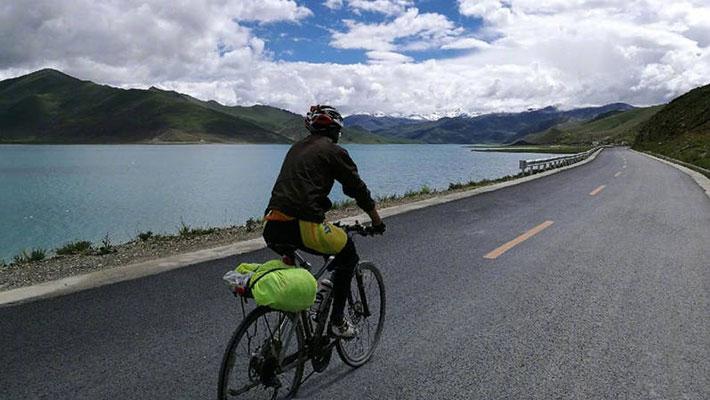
[(241, 334), (344, 346)]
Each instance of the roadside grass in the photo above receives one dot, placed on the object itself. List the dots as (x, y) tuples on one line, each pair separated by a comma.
[(26, 257), (78, 247), (253, 224), (143, 236), (425, 192), (188, 231), (343, 204), (106, 245), (692, 148), (459, 186)]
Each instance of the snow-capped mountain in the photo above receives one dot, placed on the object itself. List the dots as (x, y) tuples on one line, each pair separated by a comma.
[(457, 126)]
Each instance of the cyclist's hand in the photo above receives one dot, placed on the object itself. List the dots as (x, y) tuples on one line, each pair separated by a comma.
[(377, 229)]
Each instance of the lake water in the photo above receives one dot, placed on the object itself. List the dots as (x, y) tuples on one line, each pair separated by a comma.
[(50, 195)]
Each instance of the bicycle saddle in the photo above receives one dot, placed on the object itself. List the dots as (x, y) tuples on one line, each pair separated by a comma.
[(283, 249)]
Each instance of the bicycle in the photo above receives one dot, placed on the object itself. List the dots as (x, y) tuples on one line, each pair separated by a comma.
[(277, 360)]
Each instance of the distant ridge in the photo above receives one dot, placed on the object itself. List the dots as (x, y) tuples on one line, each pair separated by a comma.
[(611, 127), (488, 128), (48, 106), (679, 129)]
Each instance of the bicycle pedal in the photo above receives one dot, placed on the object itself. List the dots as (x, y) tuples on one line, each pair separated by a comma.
[(274, 382)]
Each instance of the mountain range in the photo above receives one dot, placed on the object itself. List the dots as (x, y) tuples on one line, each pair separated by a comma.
[(679, 129), (611, 127), (483, 129), (49, 106)]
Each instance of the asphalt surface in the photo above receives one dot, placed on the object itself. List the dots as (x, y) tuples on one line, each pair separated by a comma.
[(610, 301)]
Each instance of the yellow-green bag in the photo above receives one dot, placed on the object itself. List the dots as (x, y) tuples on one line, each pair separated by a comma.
[(280, 286)]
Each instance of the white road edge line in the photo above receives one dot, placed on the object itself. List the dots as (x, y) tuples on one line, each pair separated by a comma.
[(702, 180), (138, 270)]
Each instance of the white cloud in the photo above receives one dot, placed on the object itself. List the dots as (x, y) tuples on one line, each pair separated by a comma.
[(541, 52), (405, 88), (333, 4), (387, 57), (134, 41), (490, 10), (642, 51), (387, 7), (268, 10), (412, 31), (465, 43)]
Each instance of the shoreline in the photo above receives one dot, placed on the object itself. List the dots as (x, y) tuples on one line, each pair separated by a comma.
[(36, 264), (541, 149), (66, 282), (148, 246)]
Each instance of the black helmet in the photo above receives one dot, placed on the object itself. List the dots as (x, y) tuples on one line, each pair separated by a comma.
[(324, 120)]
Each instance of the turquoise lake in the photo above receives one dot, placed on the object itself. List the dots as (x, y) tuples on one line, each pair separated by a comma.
[(50, 195)]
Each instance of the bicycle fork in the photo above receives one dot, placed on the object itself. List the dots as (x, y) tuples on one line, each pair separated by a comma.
[(361, 289)]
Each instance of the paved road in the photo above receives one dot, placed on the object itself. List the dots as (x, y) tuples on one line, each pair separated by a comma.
[(609, 301)]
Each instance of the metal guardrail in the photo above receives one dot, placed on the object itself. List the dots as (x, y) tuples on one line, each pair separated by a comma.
[(544, 164)]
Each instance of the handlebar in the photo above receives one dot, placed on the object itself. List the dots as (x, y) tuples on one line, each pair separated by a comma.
[(358, 228)]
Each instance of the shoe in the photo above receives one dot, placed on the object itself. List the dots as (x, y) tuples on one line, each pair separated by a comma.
[(344, 330)]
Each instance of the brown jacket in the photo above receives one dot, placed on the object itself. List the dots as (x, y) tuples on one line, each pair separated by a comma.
[(307, 175)]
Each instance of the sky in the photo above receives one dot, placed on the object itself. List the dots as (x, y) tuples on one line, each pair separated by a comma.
[(399, 57)]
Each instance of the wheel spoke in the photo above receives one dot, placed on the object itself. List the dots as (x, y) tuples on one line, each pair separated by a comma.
[(357, 351), (266, 350)]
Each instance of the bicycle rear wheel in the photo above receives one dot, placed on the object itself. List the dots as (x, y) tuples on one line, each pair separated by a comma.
[(265, 357), (366, 310)]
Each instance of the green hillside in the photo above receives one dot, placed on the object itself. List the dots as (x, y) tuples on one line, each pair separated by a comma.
[(294, 129), (48, 106), (494, 128), (611, 127), (681, 130)]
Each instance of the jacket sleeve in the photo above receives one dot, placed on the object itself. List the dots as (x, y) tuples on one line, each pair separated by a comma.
[(346, 173)]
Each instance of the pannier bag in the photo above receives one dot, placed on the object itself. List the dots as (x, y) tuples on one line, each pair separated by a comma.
[(279, 286)]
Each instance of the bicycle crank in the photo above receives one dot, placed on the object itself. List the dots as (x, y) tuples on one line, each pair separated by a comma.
[(321, 351)]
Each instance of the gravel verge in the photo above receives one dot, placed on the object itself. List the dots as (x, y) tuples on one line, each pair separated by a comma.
[(28, 273)]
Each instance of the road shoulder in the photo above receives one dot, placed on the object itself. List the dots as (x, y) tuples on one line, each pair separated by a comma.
[(700, 179)]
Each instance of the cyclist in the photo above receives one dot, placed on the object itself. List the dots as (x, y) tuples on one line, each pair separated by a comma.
[(299, 200)]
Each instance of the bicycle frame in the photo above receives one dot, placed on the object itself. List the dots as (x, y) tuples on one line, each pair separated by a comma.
[(315, 343), (306, 322), (309, 330), (303, 263)]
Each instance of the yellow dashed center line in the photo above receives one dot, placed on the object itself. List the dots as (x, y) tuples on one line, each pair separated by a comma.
[(597, 190), (525, 236)]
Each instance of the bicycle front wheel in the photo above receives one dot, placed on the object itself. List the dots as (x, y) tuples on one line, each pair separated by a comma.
[(366, 310), (264, 358)]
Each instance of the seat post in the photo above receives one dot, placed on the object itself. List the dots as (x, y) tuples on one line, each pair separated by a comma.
[(299, 258), (286, 251)]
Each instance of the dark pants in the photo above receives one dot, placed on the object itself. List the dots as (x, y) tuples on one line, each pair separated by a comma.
[(343, 266)]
